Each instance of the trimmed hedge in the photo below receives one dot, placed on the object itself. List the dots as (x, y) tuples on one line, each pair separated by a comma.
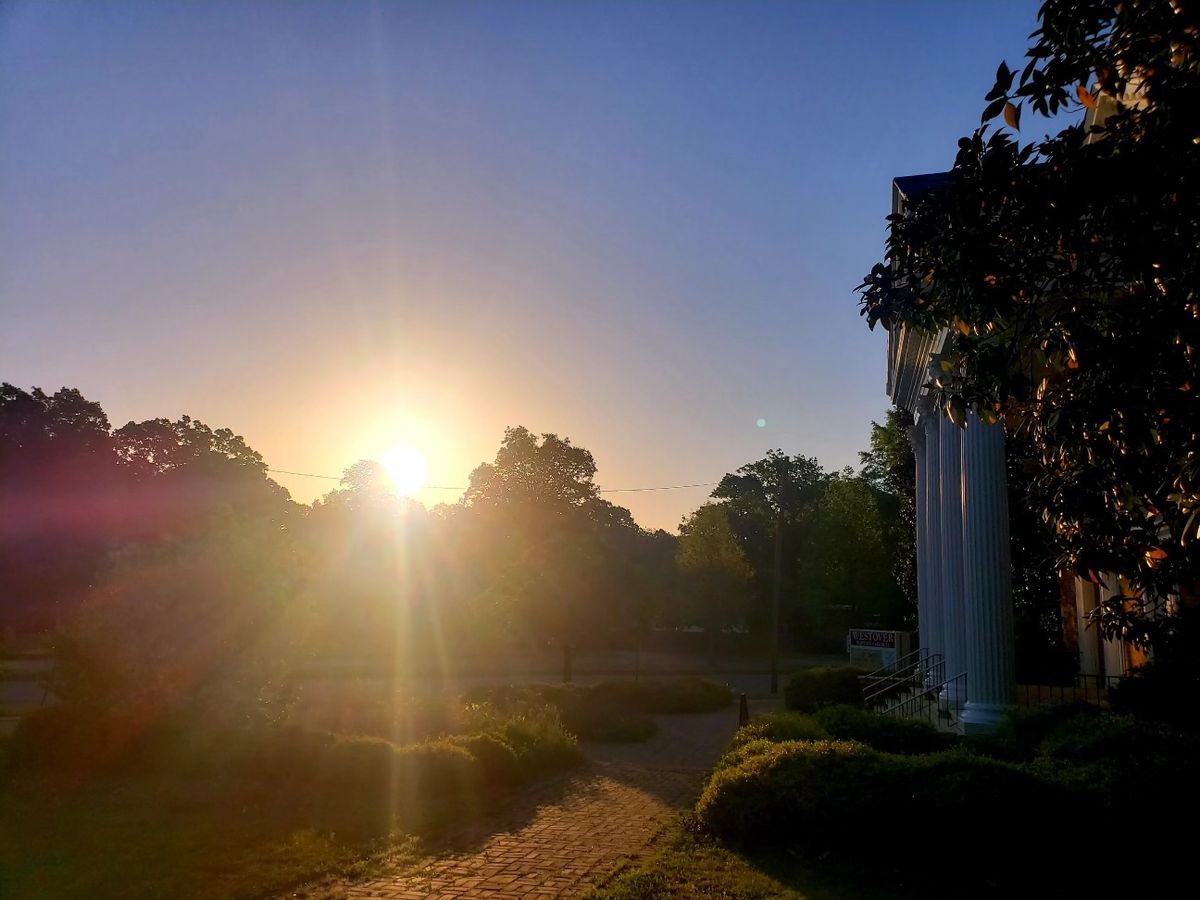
[(581, 713), (1162, 693), (355, 784), (811, 689), (796, 781), (613, 710), (891, 735), (823, 794), (780, 726)]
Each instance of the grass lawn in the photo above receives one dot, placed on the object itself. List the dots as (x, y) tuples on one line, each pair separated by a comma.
[(142, 837), (688, 864), (195, 813)]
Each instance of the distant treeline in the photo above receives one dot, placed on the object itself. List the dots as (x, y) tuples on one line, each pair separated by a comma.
[(162, 556)]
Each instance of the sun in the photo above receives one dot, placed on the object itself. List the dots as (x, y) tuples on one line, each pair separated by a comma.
[(406, 466)]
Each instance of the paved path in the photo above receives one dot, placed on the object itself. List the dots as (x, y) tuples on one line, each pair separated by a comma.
[(567, 833)]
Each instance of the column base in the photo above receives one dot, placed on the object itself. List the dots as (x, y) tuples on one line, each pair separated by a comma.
[(982, 718), (953, 695)]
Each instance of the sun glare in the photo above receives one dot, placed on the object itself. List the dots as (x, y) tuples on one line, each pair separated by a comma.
[(407, 468)]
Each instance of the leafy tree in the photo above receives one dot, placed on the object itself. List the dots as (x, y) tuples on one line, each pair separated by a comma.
[(1067, 272), (366, 556), (550, 474), (186, 474), (854, 553), (890, 467), (775, 494), (550, 541), (207, 623), (63, 502), (716, 571)]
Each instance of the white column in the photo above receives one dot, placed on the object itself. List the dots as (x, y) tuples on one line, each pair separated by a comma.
[(1113, 650), (954, 624), (931, 420), (1089, 642), (916, 436), (987, 580)]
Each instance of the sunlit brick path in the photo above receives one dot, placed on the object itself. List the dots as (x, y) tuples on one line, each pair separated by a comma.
[(571, 832)]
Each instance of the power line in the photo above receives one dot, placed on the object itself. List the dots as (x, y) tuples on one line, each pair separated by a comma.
[(444, 487), (305, 474), (667, 487)]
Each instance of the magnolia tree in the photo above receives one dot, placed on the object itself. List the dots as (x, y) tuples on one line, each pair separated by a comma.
[(1066, 270)]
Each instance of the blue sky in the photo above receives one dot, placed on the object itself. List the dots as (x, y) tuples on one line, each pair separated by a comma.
[(334, 227)]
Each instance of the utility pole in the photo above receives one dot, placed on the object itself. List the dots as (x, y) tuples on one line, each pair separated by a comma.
[(777, 586), (775, 590)]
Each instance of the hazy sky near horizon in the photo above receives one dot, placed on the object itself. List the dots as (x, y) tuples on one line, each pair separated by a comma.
[(335, 227)]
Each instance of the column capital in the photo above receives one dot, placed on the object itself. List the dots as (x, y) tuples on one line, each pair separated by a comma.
[(916, 437), (926, 410)]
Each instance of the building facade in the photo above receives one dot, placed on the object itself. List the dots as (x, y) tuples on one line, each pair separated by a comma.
[(964, 575)]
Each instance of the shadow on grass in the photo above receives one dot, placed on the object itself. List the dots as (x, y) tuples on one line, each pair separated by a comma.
[(142, 830), (688, 864)]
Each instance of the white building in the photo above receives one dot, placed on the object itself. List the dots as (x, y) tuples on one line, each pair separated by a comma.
[(965, 608)]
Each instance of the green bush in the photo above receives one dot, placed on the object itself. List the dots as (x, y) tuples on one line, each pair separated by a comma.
[(823, 794), (892, 735), (781, 792), (1090, 738), (1159, 692), (497, 759), (1022, 730), (72, 741), (540, 741), (780, 726), (588, 715), (811, 689)]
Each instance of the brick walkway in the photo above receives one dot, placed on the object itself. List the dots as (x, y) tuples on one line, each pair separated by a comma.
[(567, 833)]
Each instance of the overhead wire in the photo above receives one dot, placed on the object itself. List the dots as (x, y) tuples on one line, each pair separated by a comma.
[(444, 487)]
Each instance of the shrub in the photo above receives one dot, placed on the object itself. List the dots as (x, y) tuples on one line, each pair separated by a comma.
[(892, 735), (768, 792), (1022, 731), (73, 741), (1160, 692), (819, 794), (811, 689), (539, 740), (1089, 738), (781, 726), (496, 757), (583, 712)]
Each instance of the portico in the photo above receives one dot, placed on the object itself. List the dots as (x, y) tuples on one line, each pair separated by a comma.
[(963, 570)]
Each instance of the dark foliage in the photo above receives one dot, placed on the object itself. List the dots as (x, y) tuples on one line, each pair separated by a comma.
[(891, 467), (781, 726), (612, 710), (811, 689), (817, 794), (886, 733), (1066, 272)]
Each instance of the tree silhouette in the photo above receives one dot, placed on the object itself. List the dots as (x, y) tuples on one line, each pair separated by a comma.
[(1066, 273)]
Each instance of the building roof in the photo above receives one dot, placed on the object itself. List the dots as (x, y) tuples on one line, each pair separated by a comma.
[(909, 351), (911, 186)]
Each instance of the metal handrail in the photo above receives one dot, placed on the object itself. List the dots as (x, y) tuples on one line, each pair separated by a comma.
[(1083, 689), (931, 667), (898, 664), (931, 696)]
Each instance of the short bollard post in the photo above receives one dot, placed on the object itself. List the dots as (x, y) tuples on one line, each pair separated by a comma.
[(744, 713)]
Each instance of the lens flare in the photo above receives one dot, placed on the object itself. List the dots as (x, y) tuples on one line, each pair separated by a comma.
[(407, 467)]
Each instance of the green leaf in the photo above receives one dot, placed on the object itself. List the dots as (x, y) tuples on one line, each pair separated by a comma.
[(993, 109)]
